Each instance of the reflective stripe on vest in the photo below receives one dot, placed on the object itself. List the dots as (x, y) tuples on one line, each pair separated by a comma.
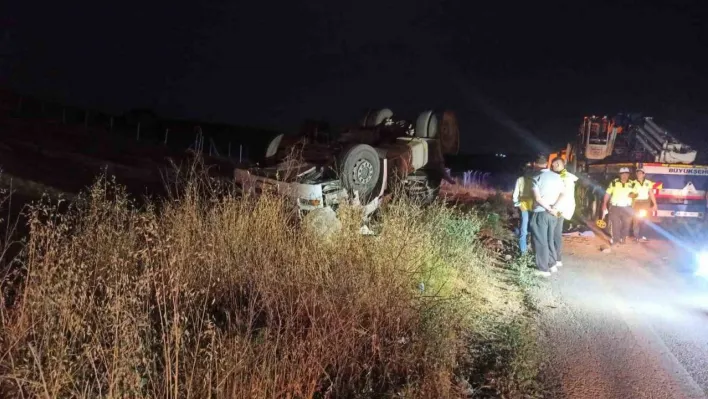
[(643, 189), (620, 193)]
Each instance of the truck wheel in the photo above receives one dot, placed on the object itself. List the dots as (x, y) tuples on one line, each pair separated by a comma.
[(594, 212), (426, 126), (449, 134), (589, 203), (374, 118), (423, 187), (273, 146), (360, 170)]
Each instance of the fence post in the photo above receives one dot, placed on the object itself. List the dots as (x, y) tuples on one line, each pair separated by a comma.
[(240, 152), (138, 133), (167, 133)]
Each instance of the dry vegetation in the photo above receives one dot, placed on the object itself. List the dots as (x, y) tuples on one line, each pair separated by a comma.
[(207, 294), (466, 194)]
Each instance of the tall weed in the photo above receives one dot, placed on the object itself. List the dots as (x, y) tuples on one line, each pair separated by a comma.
[(213, 294)]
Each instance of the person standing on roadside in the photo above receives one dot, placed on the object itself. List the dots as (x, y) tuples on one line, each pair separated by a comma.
[(523, 200), (566, 206), (547, 188), (619, 194), (645, 202)]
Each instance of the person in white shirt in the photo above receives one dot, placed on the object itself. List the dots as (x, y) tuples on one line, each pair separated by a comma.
[(547, 189), (566, 206)]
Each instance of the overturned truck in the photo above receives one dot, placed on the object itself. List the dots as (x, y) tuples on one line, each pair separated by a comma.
[(361, 164)]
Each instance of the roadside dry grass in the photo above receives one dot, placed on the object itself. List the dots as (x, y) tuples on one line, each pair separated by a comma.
[(466, 193), (28, 188), (209, 294)]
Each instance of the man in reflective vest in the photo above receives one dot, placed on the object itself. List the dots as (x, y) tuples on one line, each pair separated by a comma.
[(620, 194), (523, 199), (566, 206), (643, 205)]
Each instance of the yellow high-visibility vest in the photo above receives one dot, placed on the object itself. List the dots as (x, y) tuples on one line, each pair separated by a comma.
[(643, 189), (523, 195), (619, 192)]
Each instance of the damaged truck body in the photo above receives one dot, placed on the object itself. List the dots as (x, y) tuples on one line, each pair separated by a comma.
[(361, 166)]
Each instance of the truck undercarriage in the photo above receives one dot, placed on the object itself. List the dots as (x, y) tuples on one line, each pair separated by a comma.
[(361, 166)]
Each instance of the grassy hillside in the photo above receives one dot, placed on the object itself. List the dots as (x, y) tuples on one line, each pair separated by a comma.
[(200, 292), (217, 295)]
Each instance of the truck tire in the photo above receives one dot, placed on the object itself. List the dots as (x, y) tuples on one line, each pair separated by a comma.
[(273, 146), (426, 126), (594, 211), (588, 203), (360, 170), (449, 134), (423, 187), (374, 118)]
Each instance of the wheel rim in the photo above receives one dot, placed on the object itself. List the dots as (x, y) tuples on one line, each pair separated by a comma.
[(363, 171)]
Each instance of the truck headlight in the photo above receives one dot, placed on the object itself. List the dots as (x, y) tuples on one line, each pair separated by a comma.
[(702, 264), (642, 213)]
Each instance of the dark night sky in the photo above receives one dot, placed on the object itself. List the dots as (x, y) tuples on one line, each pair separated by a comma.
[(505, 67)]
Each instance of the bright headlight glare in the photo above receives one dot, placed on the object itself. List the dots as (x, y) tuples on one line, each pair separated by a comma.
[(702, 260), (642, 213)]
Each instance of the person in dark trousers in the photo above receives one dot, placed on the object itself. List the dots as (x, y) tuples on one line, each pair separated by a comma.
[(619, 194), (645, 202), (523, 199), (547, 188)]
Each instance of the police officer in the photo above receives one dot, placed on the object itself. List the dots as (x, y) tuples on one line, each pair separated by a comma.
[(644, 203), (620, 195)]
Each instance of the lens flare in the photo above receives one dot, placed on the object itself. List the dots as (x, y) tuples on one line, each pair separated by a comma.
[(702, 261)]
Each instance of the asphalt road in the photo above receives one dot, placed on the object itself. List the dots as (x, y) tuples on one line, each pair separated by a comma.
[(632, 323)]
